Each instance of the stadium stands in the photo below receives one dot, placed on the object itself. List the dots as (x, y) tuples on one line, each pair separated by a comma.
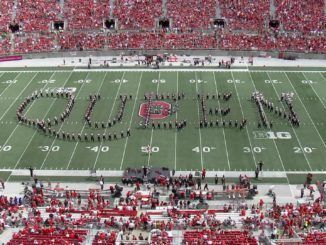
[(36, 16), (4, 45), (81, 41), (245, 15), (34, 43), (303, 16), (134, 15), (38, 235), (89, 14), (191, 14), (246, 25), (6, 7), (39, 214), (218, 237)]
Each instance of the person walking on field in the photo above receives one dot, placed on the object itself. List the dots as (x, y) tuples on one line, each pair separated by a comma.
[(260, 164), (257, 172)]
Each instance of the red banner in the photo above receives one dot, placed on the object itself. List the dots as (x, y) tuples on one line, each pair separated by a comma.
[(11, 58)]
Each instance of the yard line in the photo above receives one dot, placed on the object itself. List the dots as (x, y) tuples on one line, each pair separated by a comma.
[(199, 130), (236, 90), (48, 153), (293, 129), (277, 150), (219, 106), (77, 143), (304, 107), (10, 83), (314, 91), (132, 114), (151, 140), (18, 96), (115, 99), (176, 133), (50, 107)]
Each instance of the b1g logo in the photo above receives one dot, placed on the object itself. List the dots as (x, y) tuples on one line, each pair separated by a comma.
[(272, 135), (156, 110)]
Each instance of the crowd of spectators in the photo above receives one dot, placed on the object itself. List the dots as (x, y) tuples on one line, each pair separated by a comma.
[(193, 40), (302, 25), (89, 14), (47, 215), (245, 15), (81, 41), (191, 14), (4, 45), (304, 16), (285, 42), (36, 16), (139, 14), (6, 8), (218, 237), (34, 43)]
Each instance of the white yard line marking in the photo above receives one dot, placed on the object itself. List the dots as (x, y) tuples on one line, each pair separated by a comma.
[(77, 143), (314, 90), (23, 90), (219, 106), (31, 139), (48, 153), (236, 90), (152, 132), (113, 107), (293, 129), (199, 130), (276, 147), (9, 83), (176, 132), (132, 115), (304, 107)]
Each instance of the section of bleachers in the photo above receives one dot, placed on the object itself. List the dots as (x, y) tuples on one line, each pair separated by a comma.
[(37, 16), (191, 14), (231, 237), (86, 14), (244, 14), (48, 236), (305, 16), (6, 7), (34, 43), (140, 14)]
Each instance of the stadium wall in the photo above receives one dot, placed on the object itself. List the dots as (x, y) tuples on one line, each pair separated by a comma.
[(202, 52)]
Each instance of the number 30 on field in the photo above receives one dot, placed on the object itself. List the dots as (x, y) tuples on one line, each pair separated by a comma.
[(45, 148)]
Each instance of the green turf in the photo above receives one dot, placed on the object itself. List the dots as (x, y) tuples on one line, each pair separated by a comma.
[(191, 148)]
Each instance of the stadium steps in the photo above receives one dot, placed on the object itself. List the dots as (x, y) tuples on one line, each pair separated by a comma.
[(164, 9), (14, 10), (111, 8), (12, 42), (272, 9), (62, 5), (218, 11)]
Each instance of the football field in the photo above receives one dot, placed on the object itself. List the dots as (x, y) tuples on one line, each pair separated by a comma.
[(217, 148)]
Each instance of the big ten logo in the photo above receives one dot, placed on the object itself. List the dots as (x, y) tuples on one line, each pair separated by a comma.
[(272, 135)]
